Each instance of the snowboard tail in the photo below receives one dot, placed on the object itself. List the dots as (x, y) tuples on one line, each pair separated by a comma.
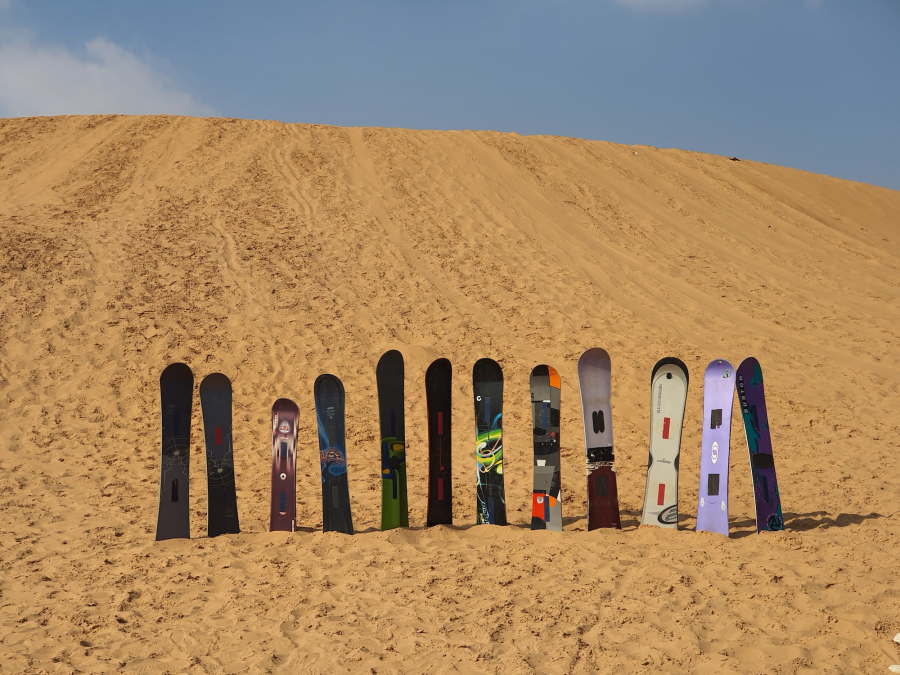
[(328, 391), (176, 388), (438, 392)]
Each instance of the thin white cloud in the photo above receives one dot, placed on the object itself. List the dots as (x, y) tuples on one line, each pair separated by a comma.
[(40, 80), (662, 4)]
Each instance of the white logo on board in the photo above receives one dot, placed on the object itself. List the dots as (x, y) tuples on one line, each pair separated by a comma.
[(715, 452)]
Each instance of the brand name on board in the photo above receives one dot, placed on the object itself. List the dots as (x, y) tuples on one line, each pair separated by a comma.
[(742, 395)]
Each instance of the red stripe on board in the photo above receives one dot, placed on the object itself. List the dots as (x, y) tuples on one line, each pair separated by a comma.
[(440, 487), (666, 427), (218, 436), (537, 508), (440, 423), (661, 497)]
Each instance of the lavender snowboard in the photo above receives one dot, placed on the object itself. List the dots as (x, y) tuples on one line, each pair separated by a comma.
[(718, 396), (756, 428)]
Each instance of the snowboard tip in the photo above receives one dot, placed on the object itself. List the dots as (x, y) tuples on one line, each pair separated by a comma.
[(555, 380), (594, 356), (177, 371)]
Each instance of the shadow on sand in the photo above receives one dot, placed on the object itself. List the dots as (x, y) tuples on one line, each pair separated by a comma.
[(631, 520)]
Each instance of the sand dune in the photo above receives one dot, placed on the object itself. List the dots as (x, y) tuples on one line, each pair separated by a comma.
[(274, 252)]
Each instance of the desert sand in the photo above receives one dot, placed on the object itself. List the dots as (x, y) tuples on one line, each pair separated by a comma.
[(275, 252)]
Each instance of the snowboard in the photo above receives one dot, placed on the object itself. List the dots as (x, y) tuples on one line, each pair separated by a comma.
[(215, 402), (546, 500), (329, 395), (752, 400), (176, 390), (594, 380), (438, 394), (718, 396), (668, 395), (283, 509), (490, 497), (389, 378)]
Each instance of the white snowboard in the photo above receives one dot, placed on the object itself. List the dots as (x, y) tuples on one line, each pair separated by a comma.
[(669, 385)]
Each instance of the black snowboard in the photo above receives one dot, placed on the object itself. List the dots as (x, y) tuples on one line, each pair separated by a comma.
[(176, 388), (389, 377), (329, 395), (215, 402), (438, 393), (487, 385)]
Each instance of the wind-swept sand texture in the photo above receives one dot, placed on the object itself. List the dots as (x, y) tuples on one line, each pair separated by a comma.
[(275, 252)]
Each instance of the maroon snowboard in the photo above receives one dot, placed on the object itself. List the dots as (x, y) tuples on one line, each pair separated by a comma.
[(438, 394), (283, 513)]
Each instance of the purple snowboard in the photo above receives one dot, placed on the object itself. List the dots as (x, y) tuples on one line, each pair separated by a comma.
[(752, 400), (718, 395)]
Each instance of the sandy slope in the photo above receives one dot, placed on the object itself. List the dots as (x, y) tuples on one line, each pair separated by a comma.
[(275, 252)]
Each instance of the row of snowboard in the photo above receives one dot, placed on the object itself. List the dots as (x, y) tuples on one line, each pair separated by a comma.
[(669, 385)]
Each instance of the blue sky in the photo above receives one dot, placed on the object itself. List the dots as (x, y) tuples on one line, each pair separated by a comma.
[(812, 84)]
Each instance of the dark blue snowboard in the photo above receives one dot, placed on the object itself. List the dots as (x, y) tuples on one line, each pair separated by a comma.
[(329, 395), (215, 402)]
